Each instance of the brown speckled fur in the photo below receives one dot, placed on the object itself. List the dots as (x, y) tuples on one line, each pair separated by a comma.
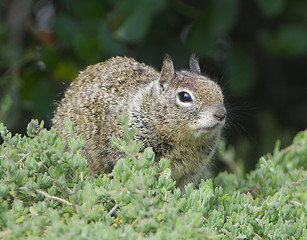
[(177, 131)]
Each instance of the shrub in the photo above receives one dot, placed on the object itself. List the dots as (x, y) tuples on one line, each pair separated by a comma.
[(46, 191)]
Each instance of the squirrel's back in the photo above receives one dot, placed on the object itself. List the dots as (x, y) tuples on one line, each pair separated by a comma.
[(118, 75)]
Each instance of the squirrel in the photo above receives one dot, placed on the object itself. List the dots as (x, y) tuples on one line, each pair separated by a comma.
[(180, 114)]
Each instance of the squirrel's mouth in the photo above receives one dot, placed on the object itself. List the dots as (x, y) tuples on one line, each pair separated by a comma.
[(211, 129), (208, 128)]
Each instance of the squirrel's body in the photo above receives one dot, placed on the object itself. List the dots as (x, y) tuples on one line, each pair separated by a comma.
[(178, 114)]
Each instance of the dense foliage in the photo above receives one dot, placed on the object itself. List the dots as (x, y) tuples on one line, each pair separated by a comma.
[(46, 192)]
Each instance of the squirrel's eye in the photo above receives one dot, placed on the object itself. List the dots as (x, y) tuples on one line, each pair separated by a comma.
[(184, 96)]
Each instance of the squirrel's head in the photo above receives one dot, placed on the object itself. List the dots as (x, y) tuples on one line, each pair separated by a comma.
[(189, 104)]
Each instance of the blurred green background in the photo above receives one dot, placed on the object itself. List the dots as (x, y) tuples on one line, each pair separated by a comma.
[(256, 50)]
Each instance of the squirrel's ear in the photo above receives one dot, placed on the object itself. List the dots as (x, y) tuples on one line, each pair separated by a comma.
[(194, 65), (167, 72)]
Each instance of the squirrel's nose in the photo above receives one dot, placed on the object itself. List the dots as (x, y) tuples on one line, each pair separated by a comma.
[(220, 113)]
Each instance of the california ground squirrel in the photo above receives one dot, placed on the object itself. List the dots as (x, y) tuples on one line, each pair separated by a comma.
[(179, 114)]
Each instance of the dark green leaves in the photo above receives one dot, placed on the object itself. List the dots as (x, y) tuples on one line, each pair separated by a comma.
[(240, 71), (288, 40), (271, 8), (213, 24), (137, 18)]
